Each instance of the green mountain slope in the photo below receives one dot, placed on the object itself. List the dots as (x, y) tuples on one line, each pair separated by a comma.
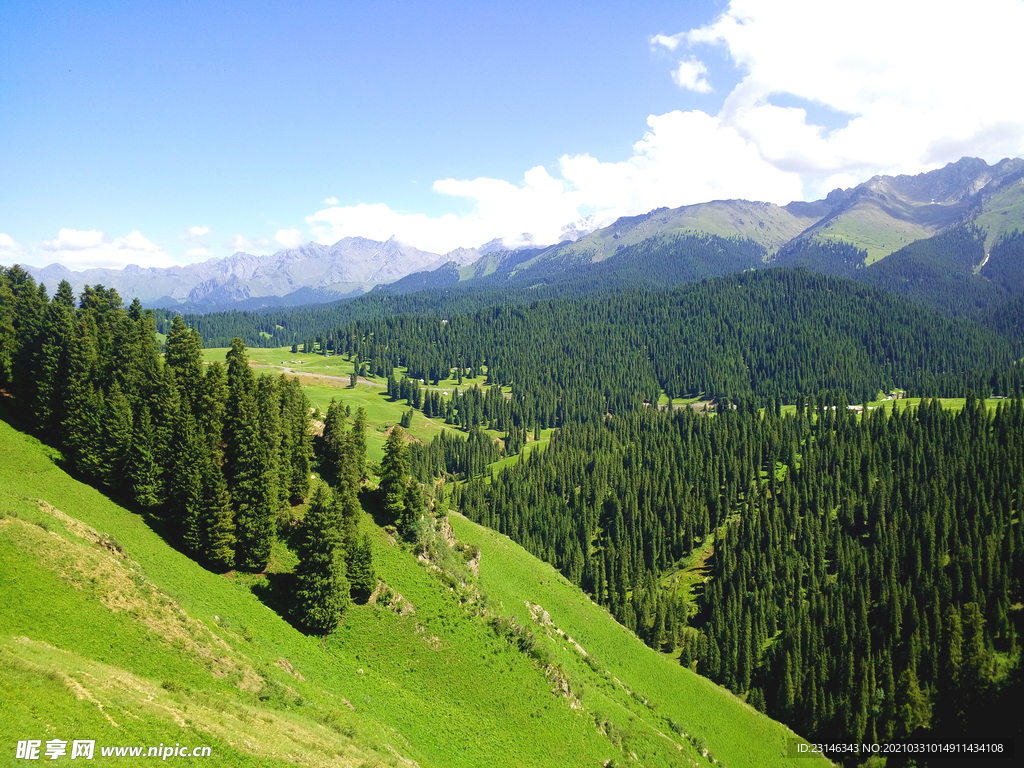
[(107, 633), (766, 224), (1002, 211)]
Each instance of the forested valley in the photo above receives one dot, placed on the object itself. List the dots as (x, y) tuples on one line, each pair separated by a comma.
[(857, 574)]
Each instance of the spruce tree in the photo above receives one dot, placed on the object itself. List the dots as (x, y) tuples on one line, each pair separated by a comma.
[(118, 431), (394, 474), (141, 470), (184, 356), (361, 574), (216, 517), (8, 335), (52, 364), (249, 468), (82, 423), (299, 442), (185, 483), (321, 580), (413, 510)]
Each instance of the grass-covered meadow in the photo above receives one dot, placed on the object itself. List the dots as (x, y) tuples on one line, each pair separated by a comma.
[(108, 632)]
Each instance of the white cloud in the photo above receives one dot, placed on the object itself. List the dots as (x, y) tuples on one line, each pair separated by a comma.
[(671, 42), (9, 249), (199, 252), (257, 246), (683, 158), (238, 243), (905, 82), (289, 238), (86, 249), (912, 102), (198, 231), (690, 75), (331, 201)]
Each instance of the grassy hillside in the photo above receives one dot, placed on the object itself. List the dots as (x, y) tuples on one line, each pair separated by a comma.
[(1003, 212), (873, 228), (107, 633), (764, 223)]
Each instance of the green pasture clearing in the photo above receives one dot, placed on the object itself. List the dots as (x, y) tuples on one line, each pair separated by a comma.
[(947, 403), (531, 445), (873, 230), (1003, 213), (323, 378), (905, 403), (664, 401), (100, 619)]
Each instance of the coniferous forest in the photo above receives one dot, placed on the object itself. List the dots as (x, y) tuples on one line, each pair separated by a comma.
[(213, 452), (855, 574), (860, 575)]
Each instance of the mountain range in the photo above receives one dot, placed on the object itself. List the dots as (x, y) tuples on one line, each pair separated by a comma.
[(871, 221)]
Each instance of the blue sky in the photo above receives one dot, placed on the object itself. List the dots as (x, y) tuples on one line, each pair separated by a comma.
[(159, 133)]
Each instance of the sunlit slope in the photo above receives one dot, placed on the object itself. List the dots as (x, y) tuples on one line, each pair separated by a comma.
[(107, 633), (1002, 212), (637, 690)]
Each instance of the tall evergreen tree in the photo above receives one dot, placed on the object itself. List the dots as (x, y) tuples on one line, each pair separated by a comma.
[(188, 455), (321, 581), (52, 363), (361, 574), (249, 467), (82, 423), (216, 517), (184, 356), (141, 468), (394, 473)]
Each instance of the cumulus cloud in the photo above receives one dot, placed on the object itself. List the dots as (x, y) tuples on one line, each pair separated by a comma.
[(671, 42), (257, 246), (198, 247), (9, 249), (903, 82), (684, 157), (909, 102), (331, 201), (690, 73), (289, 238), (86, 249)]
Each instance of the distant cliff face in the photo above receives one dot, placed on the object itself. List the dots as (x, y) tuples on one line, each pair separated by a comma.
[(352, 265)]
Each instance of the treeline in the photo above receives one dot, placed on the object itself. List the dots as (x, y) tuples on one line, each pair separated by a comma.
[(767, 334), (865, 574), (663, 261), (212, 450)]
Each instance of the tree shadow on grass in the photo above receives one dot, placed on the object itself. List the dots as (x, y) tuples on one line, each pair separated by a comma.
[(275, 590), (373, 504)]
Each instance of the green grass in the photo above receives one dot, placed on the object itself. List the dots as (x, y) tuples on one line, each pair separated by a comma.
[(873, 230), (98, 611), (1003, 213), (948, 403), (324, 378), (510, 461), (646, 697)]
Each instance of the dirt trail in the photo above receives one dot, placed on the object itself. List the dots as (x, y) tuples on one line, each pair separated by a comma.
[(346, 379)]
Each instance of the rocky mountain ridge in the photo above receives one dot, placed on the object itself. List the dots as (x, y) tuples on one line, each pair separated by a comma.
[(880, 216)]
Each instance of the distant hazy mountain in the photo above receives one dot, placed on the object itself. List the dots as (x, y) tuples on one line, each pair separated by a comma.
[(847, 230), (306, 274)]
